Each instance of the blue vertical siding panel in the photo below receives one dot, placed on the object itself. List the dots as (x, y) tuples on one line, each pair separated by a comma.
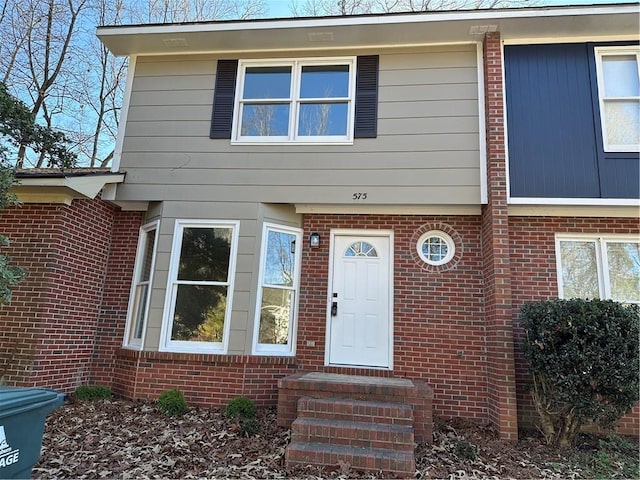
[(619, 171), (552, 147)]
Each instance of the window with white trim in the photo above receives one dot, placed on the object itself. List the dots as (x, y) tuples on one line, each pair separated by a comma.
[(618, 72), (436, 247), (306, 100), (200, 286), (141, 286), (279, 281), (599, 267)]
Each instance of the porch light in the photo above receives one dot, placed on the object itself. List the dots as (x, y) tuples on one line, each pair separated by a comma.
[(314, 240)]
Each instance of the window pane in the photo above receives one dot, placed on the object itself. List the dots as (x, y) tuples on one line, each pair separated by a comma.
[(265, 120), (145, 271), (325, 81), (623, 122), (624, 271), (321, 119), (205, 254), (579, 269), (275, 315), (280, 261), (361, 249), (267, 82), (435, 249), (620, 76), (199, 313), (140, 303)]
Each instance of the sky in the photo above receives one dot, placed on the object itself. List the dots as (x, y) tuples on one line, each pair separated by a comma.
[(280, 8)]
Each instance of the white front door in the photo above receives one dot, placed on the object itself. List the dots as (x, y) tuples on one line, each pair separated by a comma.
[(359, 317)]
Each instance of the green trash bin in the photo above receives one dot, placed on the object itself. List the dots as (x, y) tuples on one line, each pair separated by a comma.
[(22, 415)]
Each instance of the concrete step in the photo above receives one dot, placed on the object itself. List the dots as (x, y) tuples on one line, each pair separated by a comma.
[(355, 434), (399, 463)]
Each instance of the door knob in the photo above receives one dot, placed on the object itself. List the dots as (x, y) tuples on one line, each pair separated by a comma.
[(334, 309)]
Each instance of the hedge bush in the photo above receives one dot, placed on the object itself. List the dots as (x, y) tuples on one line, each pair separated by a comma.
[(583, 357), (92, 392)]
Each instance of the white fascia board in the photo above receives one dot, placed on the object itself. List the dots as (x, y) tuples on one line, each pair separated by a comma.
[(382, 19), (575, 201), (84, 186), (368, 31)]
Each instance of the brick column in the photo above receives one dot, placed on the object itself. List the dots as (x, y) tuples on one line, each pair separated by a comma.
[(501, 401)]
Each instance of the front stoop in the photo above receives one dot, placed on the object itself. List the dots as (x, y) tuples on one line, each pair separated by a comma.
[(414, 393), (363, 435)]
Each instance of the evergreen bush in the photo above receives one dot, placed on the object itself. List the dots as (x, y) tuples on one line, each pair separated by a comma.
[(242, 407), (583, 357), (172, 402), (92, 392)]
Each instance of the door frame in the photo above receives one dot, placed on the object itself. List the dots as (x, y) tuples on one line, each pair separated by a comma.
[(359, 233)]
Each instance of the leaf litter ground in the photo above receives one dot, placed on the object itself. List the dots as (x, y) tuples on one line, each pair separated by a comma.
[(134, 440)]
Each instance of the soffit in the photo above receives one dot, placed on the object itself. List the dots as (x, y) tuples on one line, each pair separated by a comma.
[(555, 24)]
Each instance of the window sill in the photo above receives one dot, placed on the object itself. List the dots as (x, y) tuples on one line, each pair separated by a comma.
[(255, 143)]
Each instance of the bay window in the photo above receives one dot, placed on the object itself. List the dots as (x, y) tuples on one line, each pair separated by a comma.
[(200, 286), (141, 287), (277, 290)]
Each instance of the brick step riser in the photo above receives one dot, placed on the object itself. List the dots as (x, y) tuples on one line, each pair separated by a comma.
[(355, 436), (399, 463), (376, 419), (355, 410)]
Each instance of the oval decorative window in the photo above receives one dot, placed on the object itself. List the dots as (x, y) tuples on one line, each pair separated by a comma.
[(361, 249), (436, 247)]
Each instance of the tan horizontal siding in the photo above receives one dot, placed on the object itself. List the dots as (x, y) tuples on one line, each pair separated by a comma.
[(427, 149)]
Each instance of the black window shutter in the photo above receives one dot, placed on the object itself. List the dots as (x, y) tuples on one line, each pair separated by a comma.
[(366, 124), (223, 99)]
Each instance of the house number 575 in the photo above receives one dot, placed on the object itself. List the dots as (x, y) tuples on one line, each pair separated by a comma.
[(359, 195)]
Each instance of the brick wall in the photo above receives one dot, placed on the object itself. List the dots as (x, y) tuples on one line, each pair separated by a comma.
[(47, 330), (533, 264), (115, 295), (436, 339), (208, 380)]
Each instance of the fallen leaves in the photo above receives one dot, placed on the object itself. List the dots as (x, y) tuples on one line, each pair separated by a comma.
[(133, 440)]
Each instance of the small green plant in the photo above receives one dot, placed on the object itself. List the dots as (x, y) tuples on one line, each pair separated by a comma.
[(465, 450), (249, 427), (92, 392), (616, 442), (172, 402), (241, 407)]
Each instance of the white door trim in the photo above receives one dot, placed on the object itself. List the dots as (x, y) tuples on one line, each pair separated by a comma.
[(360, 233)]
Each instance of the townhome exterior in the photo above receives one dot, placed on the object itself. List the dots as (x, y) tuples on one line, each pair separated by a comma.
[(373, 195)]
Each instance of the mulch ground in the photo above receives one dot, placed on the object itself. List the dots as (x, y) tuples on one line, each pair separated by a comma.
[(134, 440)]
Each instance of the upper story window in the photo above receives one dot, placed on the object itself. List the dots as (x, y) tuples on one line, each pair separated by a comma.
[(200, 286), (598, 267), (312, 100), (295, 101), (618, 71)]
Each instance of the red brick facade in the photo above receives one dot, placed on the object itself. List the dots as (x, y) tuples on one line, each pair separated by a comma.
[(49, 329), (533, 267)]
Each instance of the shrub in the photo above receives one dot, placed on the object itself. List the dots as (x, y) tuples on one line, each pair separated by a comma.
[(172, 402), (240, 407), (92, 392), (465, 450), (249, 427), (583, 356)]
